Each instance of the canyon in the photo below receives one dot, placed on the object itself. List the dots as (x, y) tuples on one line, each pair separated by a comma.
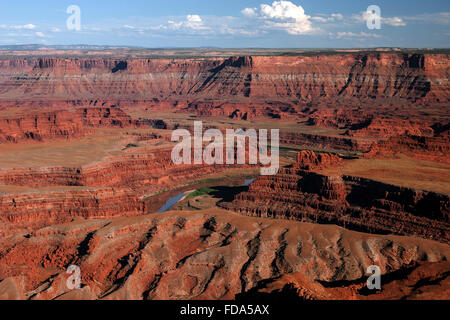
[(85, 163), (299, 193)]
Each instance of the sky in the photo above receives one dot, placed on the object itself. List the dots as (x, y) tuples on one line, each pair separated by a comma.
[(227, 23)]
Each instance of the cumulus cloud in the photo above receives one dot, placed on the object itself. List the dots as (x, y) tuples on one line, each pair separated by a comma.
[(40, 34), (192, 22), (282, 15), (249, 12)]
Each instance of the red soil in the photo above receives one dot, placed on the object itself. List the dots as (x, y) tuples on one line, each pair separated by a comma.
[(204, 255)]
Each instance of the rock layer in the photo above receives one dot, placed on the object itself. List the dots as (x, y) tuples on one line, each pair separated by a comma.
[(204, 255), (246, 87), (39, 127), (352, 202)]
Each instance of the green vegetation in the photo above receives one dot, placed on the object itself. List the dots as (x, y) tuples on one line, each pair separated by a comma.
[(201, 192)]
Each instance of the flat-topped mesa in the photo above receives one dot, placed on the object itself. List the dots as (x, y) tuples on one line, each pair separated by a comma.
[(40, 127), (107, 117), (53, 125), (150, 170), (271, 86), (383, 128), (424, 148), (324, 142), (309, 160)]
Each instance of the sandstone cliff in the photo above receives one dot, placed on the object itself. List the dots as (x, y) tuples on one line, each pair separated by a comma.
[(297, 193), (243, 86)]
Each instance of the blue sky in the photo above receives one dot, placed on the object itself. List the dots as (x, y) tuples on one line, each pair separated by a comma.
[(230, 23)]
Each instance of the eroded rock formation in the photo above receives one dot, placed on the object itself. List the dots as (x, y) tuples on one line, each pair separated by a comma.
[(352, 202), (245, 87), (39, 127), (204, 255)]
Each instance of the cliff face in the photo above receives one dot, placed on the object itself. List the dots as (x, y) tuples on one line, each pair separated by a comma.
[(238, 79), (297, 193), (154, 169), (425, 148), (325, 142), (36, 210), (39, 127), (202, 255), (114, 187), (106, 117), (46, 126)]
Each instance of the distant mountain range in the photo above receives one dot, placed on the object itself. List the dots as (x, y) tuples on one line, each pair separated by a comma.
[(36, 47), (33, 47)]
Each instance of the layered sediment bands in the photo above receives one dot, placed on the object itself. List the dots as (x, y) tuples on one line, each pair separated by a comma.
[(150, 171), (46, 208), (106, 117), (39, 127), (359, 122), (309, 160), (240, 79), (352, 202), (425, 148), (383, 128), (202, 255), (324, 142), (117, 186), (46, 126)]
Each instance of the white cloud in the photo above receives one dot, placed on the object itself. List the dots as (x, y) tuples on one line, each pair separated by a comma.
[(28, 26), (395, 22), (192, 22), (360, 35), (40, 34), (442, 18), (282, 15), (331, 18), (249, 12), (337, 16), (18, 27)]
